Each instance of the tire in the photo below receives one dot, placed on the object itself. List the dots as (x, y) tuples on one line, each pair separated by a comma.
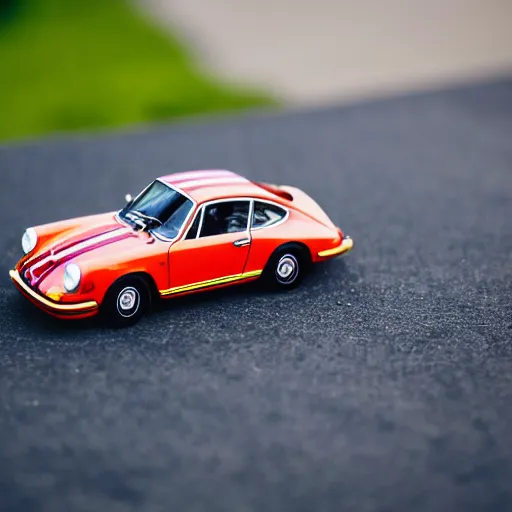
[(287, 267), (126, 301)]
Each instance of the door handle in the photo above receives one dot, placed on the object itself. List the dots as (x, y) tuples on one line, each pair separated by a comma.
[(242, 242)]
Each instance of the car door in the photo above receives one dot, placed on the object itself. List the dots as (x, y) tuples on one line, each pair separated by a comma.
[(268, 231), (215, 247)]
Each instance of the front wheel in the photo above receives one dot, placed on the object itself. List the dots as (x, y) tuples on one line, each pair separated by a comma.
[(126, 301), (286, 267)]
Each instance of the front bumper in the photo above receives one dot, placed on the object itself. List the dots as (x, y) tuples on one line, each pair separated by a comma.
[(345, 246), (78, 310)]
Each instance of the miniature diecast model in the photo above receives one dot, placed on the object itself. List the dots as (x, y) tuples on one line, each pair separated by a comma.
[(184, 233)]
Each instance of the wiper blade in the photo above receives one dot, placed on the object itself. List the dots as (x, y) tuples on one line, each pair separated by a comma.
[(148, 220), (135, 219)]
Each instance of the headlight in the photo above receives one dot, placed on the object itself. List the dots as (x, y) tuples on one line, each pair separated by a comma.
[(72, 276), (29, 240)]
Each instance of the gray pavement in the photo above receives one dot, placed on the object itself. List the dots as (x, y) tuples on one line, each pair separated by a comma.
[(383, 383)]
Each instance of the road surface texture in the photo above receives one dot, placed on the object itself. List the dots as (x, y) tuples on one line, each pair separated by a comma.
[(315, 52), (384, 383)]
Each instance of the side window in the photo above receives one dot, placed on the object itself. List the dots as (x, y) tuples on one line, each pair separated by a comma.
[(266, 214), (192, 231), (225, 217)]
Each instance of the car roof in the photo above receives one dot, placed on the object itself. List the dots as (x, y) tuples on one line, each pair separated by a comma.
[(207, 185)]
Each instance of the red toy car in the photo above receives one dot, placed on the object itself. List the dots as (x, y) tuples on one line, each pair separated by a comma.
[(184, 233)]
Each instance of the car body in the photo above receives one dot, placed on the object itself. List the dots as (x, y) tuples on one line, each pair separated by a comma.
[(184, 233)]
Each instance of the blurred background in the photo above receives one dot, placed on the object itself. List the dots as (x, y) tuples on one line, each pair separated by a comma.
[(68, 65)]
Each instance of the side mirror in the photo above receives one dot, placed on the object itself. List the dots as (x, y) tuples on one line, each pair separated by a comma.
[(128, 198)]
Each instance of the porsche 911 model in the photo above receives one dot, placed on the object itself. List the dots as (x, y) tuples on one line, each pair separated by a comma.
[(183, 233)]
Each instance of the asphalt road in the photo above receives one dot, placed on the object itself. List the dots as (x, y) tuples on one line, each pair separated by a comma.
[(383, 383)]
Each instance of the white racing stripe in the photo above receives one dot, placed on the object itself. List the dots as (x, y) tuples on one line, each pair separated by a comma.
[(192, 175), (212, 181), (80, 246)]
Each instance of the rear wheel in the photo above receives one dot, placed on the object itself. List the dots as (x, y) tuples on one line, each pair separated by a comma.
[(126, 301), (287, 267)]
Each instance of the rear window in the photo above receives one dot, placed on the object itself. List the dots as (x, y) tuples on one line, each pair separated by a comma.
[(266, 214)]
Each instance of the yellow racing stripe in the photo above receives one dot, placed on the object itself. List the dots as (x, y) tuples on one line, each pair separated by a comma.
[(210, 282)]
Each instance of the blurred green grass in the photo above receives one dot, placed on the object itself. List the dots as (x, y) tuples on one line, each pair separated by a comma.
[(87, 64)]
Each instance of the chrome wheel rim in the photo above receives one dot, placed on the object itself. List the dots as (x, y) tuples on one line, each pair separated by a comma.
[(287, 269), (128, 301)]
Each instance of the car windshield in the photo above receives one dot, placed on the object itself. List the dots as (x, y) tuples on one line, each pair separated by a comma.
[(159, 208)]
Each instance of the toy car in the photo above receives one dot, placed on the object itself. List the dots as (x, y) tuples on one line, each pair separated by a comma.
[(183, 233)]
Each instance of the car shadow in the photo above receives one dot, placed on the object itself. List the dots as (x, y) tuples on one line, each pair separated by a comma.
[(32, 319), (319, 276)]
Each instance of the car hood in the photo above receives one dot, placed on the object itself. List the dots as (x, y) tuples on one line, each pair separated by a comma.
[(88, 240)]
